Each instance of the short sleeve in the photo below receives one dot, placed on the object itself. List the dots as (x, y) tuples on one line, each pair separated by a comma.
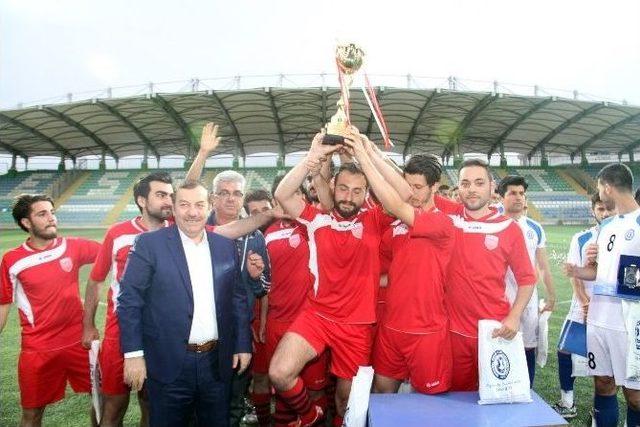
[(87, 250), (518, 258), (308, 214), (6, 284), (432, 225), (573, 257), (102, 264)]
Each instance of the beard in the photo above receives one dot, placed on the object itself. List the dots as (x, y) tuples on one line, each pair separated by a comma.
[(346, 209), (159, 214), (46, 233)]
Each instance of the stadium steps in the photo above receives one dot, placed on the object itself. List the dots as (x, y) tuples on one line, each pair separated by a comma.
[(571, 182), (501, 173), (533, 212), (71, 189), (583, 178), (207, 178), (121, 204)]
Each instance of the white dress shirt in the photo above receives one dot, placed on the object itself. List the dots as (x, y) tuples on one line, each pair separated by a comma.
[(204, 326)]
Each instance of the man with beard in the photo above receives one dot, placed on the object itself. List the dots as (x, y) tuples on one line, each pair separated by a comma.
[(582, 292), (487, 244), (41, 278), (607, 334), (152, 195), (513, 192), (344, 260)]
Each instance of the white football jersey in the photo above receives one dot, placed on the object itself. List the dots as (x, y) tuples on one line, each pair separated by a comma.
[(619, 235), (578, 256), (534, 238)]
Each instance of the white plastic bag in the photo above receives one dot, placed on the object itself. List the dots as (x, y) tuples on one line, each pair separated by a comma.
[(579, 366), (405, 388), (502, 367), (358, 404), (631, 311), (543, 336), (94, 367)]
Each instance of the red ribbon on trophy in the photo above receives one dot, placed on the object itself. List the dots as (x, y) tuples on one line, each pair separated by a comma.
[(374, 105)]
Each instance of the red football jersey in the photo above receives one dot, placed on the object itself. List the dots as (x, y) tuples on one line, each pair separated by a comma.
[(291, 280), (485, 248), (385, 262), (344, 259), (44, 286), (113, 257), (421, 255)]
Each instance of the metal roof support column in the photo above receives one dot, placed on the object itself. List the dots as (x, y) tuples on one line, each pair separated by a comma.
[(281, 157), (236, 158), (457, 157), (145, 160), (61, 166), (503, 158), (544, 160), (14, 158), (631, 156), (583, 158), (572, 157), (103, 161)]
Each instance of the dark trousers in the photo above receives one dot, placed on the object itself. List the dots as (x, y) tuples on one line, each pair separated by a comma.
[(197, 394), (239, 389)]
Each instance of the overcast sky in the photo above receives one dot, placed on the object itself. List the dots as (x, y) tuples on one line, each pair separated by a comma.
[(49, 48)]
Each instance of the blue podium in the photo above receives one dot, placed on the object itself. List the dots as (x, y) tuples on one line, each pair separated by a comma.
[(457, 409)]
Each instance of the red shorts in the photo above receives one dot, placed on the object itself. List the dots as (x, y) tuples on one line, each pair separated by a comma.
[(111, 367), (260, 359), (43, 375), (350, 344), (423, 358), (465, 360), (314, 374)]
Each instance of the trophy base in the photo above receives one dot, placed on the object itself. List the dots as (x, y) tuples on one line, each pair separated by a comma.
[(330, 139)]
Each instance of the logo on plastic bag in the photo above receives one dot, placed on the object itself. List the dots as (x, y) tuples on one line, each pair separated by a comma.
[(500, 365)]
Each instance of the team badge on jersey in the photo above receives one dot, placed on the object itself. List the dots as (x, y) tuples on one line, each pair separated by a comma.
[(400, 229), (531, 235), (500, 365), (294, 240), (66, 264), (629, 234), (491, 241)]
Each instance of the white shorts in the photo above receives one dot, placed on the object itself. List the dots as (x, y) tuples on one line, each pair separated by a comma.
[(607, 355), (529, 322)]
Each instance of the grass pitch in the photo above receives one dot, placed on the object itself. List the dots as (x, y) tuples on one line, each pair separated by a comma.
[(73, 410)]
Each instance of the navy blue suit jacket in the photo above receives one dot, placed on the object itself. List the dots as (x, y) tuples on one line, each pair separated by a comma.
[(155, 305)]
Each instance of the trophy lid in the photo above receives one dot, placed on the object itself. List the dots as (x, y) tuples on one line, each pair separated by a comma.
[(349, 57)]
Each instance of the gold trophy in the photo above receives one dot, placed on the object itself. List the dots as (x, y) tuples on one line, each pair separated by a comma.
[(349, 58)]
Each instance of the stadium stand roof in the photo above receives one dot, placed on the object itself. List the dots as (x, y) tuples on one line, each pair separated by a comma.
[(443, 121)]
